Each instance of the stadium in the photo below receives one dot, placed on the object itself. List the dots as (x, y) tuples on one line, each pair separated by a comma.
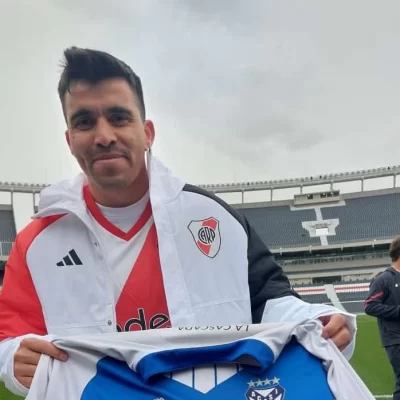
[(330, 244)]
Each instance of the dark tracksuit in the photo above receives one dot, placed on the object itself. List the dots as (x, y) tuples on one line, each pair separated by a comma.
[(383, 302)]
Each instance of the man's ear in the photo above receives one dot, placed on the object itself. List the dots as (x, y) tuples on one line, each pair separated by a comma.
[(150, 133)]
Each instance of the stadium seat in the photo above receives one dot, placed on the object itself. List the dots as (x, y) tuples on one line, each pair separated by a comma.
[(365, 218), (316, 298), (281, 227)]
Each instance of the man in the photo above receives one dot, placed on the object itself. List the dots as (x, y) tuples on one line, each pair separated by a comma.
[(126, 245), (383, 302)]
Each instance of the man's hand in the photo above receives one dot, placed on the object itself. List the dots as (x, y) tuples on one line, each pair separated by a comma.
[(335, 328), (27, 358)]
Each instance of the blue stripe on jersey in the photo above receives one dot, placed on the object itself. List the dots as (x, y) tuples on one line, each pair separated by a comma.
[(215, 375), (162, 362), (301, 376)]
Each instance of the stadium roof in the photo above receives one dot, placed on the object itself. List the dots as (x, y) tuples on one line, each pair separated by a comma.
[(393, 171), (304, 181)]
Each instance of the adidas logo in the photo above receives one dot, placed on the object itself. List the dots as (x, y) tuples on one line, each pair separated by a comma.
[(70, 259)]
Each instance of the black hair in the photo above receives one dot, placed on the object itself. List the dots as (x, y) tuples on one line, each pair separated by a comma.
[(394, 251), (94, 66)]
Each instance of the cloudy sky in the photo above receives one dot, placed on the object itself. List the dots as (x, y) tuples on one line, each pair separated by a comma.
[(238, 89)]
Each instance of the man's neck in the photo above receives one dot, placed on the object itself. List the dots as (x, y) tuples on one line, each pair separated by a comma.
[(121, 197), (396, 266)]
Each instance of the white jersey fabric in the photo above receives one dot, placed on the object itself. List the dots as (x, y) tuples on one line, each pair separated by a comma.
[(125, 217), (122, 254), (253, 362)]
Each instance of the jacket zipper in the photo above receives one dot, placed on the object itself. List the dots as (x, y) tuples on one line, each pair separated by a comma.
[(100, 251)]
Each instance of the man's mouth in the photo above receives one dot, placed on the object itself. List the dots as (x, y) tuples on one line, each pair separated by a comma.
[(108, 156)]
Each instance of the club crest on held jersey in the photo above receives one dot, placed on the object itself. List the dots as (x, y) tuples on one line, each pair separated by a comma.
[(268, 389), (206, 235)]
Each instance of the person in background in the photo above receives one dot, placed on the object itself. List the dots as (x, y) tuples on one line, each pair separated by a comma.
[(383, 302), (126, 245)]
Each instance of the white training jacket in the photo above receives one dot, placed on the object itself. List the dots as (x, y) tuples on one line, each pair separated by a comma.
[(233, 280)]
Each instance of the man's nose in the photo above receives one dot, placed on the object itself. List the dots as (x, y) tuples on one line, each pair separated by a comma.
[(104, 133)]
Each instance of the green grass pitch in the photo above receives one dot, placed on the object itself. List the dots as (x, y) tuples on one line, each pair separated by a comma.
[(369, 361)]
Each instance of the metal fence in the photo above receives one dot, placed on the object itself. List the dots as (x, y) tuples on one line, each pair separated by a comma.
[(333, 258)]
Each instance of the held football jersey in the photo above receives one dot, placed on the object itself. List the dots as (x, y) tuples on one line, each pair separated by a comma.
[(251, 362)]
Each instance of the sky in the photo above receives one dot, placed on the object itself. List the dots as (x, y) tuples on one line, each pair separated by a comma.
[(239, 90)]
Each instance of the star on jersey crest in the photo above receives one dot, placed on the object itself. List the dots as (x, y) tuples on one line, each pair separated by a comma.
[(267, 389), (265, 382)]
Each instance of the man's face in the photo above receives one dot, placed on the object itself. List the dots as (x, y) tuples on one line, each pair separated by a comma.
[(106, 133)]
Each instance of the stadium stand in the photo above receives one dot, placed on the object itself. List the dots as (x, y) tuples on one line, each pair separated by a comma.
[(360, 219), (339, 256), (313, 293), (309, 286), (316, 298), (341, 270), (352, 296), (365, 218), (7, 231), (280, 227)]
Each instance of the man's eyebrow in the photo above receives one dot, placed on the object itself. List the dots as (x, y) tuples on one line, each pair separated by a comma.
[(84, 112), (119, 110)]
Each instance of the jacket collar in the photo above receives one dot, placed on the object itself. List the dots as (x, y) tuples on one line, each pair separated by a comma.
[(67, 196)]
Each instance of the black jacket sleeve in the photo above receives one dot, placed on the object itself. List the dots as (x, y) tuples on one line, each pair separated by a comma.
[(375, 302), (266, 278)]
